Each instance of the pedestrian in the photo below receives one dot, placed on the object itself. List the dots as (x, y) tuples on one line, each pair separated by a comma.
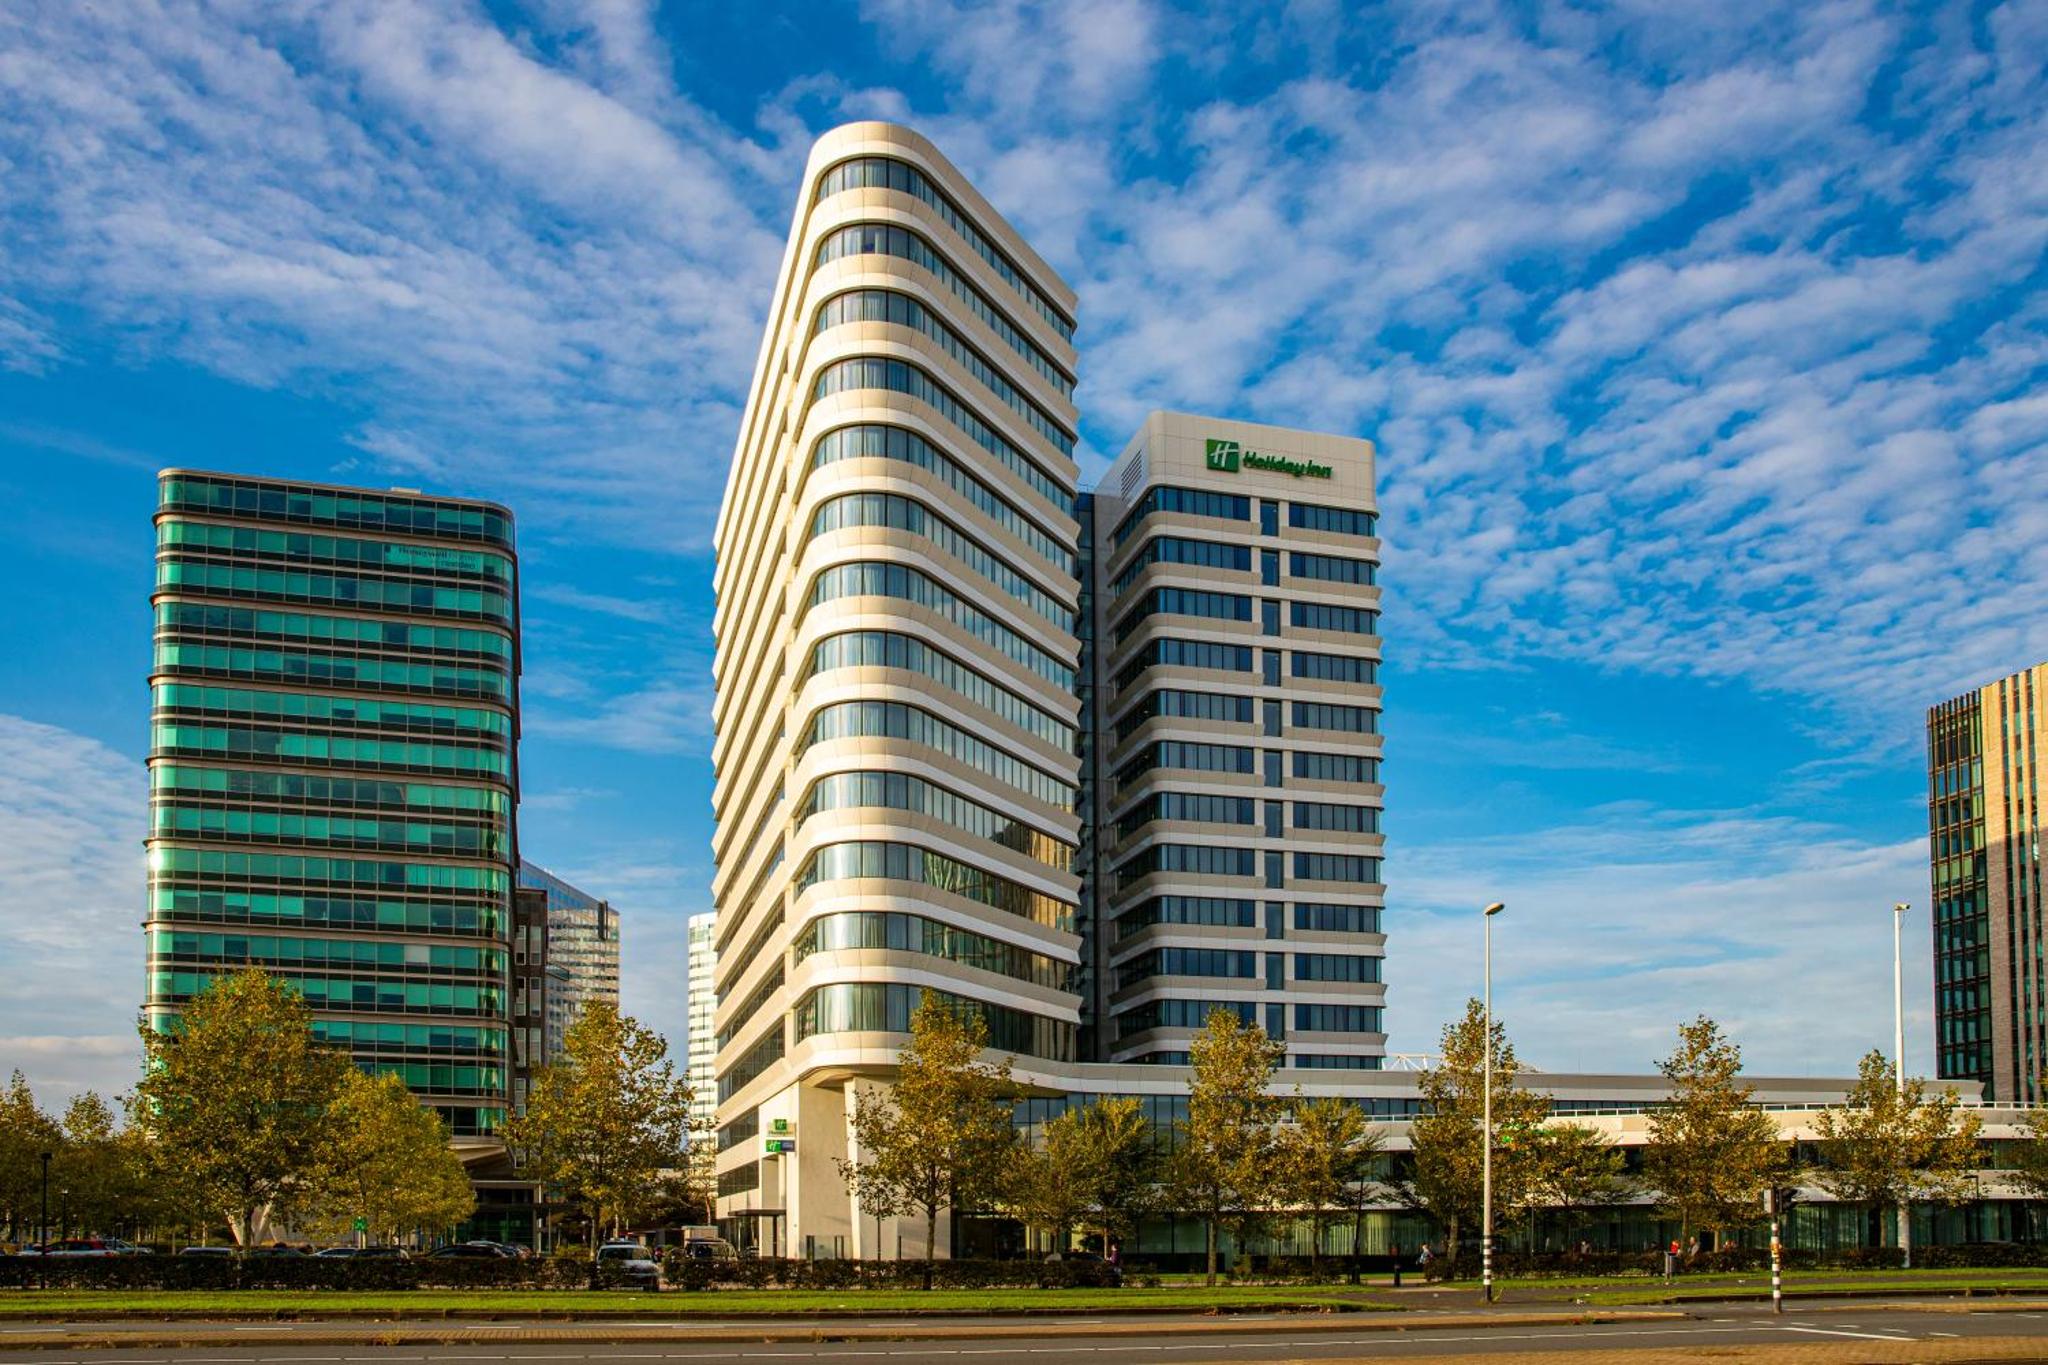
[(1397, 1265), (1426, 1257)]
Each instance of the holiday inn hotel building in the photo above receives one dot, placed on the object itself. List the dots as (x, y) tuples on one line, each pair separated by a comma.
[(1088, 764)]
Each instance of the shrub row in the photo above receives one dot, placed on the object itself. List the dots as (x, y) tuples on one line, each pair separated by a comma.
[(298, 1273), (313, 1274)]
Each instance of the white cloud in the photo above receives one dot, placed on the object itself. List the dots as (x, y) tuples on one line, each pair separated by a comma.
[(1630, 920), (71, 902)]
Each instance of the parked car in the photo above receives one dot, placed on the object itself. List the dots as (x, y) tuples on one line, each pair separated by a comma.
[(208, 1251), (336, 1253), (380, 1253), (707, 1249), (511, 1249), (274, 1249), (76, 1246), (468, 1251), (636, 1261)]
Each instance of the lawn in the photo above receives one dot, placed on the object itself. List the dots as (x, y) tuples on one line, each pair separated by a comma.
[(1616, 1292), (29, 1303)]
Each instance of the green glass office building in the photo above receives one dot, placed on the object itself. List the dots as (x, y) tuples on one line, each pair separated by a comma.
[(333, 768)]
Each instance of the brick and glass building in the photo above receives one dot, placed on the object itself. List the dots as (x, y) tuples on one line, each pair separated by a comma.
[(333, 769), (1984, 862)]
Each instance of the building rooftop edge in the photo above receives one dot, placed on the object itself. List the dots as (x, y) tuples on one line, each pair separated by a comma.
[(420, 495)]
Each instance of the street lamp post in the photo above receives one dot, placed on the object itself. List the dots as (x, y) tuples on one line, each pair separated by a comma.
[(1899, 1064), (43, 1228), (1486, 1118)]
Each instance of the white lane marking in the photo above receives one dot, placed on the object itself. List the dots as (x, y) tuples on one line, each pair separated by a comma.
[(1860, 1336), (1942, 1334)]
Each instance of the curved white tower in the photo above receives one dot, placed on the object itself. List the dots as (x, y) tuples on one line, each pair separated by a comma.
[(896, 657)]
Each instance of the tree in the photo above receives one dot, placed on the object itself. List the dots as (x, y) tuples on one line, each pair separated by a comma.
[(1448, 1160), (235, 1099), (1575, 1168), (1326, 1161), (1222, 1170), (941, 1138), (1884, 1150), (99, 1166), (1119, 1153), (1096, 1166), (26, 1132), (609, 1121), (1711, 1154), (388, 1166), (873, 1194)]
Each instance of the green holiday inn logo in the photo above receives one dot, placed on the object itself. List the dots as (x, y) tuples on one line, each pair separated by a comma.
[(1231, 458)]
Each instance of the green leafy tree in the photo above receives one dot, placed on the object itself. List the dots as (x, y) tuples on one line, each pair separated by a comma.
[(1097, 1167), (1884, 1150), (1222, 1171), (1325, 1165), (1575, 1169), (26, 1132), (100, 1168), (1119, 1152), (941, 1137), (235, 1101), (387, 1164), (609, 1123), (1711, 1153), (1446, 1179)]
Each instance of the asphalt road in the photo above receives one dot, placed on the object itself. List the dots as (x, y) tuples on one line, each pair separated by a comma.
[(1181, 1340)]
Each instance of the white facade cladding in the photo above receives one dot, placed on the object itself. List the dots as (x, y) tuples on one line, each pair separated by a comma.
[(896, 651), (1234, 750), (952, 693)]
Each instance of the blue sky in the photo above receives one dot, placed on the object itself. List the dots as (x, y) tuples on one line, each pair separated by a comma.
[(1703, 346)]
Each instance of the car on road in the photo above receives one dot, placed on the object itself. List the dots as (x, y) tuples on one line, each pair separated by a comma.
[(632, 1260), (218, 1252)]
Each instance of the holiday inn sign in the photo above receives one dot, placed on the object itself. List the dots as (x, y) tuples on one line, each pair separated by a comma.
[(1231, 457)]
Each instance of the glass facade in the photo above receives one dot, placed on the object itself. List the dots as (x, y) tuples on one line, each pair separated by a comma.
[(583, 951), (332, 769), (1984, 873)]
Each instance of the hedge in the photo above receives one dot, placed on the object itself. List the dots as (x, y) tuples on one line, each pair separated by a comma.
[(312, 1273), (301, 1273)]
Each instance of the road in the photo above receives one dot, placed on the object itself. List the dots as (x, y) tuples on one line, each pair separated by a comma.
[(1953, 1332)]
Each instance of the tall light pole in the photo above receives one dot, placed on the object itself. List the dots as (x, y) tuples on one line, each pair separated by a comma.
[(1486, 1119), (1899, 1063), (43, 1231)]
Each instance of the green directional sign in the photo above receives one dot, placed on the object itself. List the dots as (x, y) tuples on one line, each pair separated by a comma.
[(362, 1225), (1230, 457)]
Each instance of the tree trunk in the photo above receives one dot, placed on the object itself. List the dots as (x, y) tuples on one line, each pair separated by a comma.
[(1451, 1231), (1906, 1233), (931, 1241), (1212, 1249)]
